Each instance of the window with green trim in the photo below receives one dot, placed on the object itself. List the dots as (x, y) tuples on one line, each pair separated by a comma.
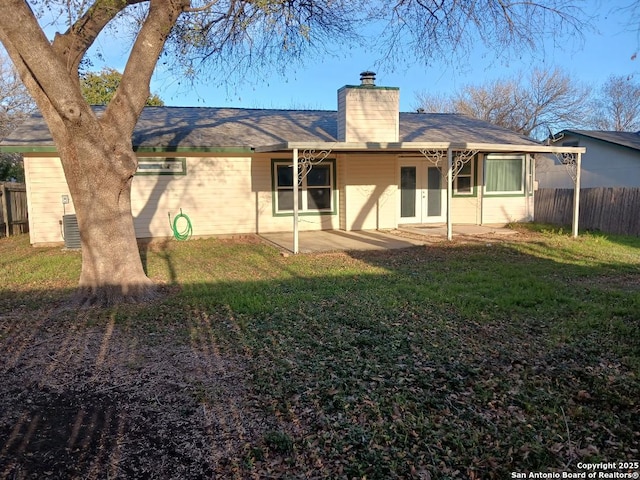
[(315, 190), (504, 175), (463, 184)]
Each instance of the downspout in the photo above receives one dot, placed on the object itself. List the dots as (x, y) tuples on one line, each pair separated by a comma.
[(480, 188), (532, 188), (449, 190), (576, 196), (528, 184), (296, 177)]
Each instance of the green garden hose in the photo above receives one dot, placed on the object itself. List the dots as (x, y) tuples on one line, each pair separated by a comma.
[(184, 233)]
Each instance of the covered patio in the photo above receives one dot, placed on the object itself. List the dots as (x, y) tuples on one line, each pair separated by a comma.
[(448, 157)]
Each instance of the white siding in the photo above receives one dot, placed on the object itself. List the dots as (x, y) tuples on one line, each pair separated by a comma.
[(370, 192), (221, 196), (465, 210), (368, 114), (233, 194), (343, 168), (215, 194), (502, 210), (45, 186)]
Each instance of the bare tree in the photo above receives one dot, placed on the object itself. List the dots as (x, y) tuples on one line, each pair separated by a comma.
[(15, 105), (554, 99), (449, 29), (498, 102), (547, 101), (434, 103), (233, 35), (631, 11), (15, 102), (618, 105)]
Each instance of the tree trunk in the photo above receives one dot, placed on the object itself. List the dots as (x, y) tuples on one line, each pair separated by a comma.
[(99, 175), (112, 269), (96, 153)]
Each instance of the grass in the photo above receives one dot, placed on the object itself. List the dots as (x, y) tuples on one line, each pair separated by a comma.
[(453, 360)]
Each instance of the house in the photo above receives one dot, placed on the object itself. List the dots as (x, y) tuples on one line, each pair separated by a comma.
[(607, 188), (612, 159), (364, 166)]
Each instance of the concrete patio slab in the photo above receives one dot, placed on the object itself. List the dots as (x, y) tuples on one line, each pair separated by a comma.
[(338, 240), (460, 230)]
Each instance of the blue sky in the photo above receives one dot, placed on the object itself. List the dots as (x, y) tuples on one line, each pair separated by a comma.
[(608, 50)]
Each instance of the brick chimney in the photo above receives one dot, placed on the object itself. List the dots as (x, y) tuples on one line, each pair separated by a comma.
[(367, 113)]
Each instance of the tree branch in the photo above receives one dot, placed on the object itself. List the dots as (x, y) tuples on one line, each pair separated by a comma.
[(42, 72), (74, 43), (132, 94), (202, 8)]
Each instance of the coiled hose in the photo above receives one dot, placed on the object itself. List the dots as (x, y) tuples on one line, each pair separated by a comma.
[(181, 233)]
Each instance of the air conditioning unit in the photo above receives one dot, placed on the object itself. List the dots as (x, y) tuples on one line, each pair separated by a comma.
[(70, 231)]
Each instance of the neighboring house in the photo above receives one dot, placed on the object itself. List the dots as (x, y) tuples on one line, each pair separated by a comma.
[(612, 159), (366, 166)]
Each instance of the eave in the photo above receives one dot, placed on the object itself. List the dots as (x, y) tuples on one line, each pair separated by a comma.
[(400, 147)]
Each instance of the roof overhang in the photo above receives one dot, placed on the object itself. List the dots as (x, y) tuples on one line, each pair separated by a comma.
[(387, 147), (140, 150), (628, 140), (406, 147)]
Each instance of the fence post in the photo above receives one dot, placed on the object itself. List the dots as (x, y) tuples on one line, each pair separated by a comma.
[(5, 208)]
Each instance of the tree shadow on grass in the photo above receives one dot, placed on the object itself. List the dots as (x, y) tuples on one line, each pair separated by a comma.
[(93, 395), (438, 359)]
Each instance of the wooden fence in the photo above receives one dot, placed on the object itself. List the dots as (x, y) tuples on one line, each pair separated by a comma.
[(610, 210), (13, 209)]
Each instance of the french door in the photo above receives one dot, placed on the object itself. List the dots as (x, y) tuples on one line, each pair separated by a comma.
[(422, 196)]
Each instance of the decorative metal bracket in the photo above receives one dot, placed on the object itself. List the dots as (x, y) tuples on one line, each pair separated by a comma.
[(570, 162), (460, 159), (438, 158), (308, 160)]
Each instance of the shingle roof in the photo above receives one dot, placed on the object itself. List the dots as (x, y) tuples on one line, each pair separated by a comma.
[(206, 127), (625, 139), (453, 127)]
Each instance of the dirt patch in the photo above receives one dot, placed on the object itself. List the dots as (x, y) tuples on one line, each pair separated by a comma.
[(88, 398)]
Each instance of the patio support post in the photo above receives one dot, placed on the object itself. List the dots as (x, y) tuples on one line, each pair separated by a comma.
[(576, 196), (296, 180), (449, 190)]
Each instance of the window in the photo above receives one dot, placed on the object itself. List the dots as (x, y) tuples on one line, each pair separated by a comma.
[(463, 183), (315, 192), (504, 175), (161, 166)]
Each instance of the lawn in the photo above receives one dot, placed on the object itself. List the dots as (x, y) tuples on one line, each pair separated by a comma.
[(476, 359)]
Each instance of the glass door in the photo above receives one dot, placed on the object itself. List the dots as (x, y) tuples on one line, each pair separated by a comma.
[(421, 194)]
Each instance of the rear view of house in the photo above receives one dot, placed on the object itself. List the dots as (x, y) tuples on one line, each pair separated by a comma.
[(365, 166)]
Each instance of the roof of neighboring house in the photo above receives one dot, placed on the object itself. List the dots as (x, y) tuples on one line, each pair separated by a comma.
[(625, 139), (193, 128)]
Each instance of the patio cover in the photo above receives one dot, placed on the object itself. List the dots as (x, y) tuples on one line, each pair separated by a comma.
[(314, 152)]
